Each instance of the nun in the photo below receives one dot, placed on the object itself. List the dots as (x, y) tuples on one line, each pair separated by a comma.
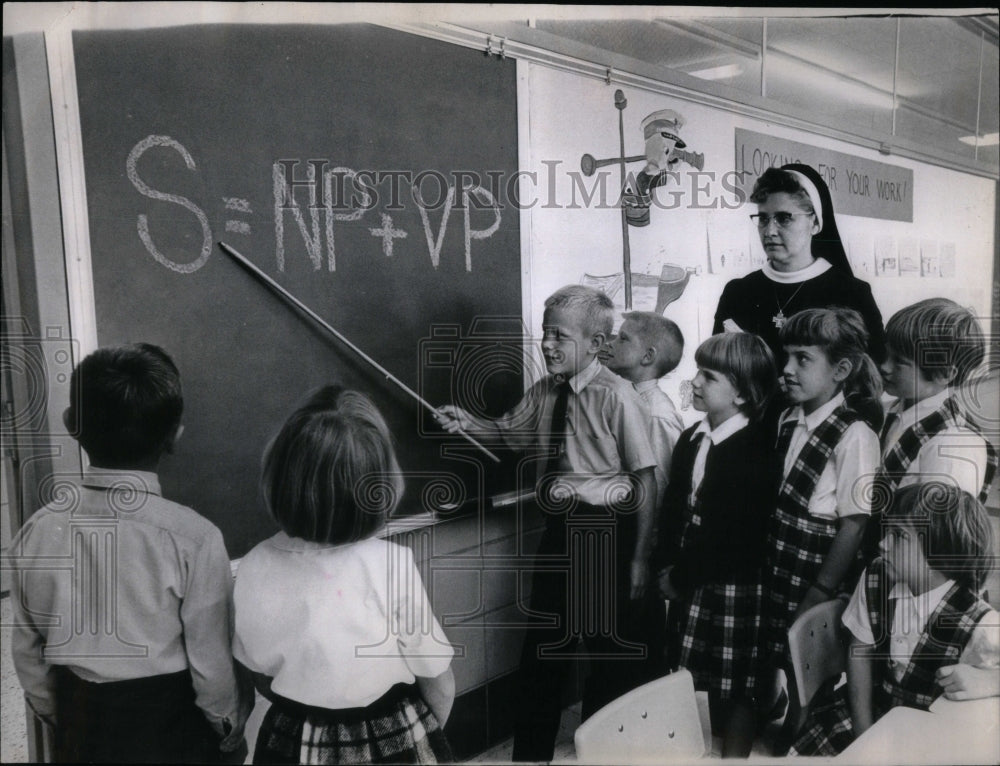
[(806, 265)]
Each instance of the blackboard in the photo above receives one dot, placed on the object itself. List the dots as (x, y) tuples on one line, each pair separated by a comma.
[(297, 145)]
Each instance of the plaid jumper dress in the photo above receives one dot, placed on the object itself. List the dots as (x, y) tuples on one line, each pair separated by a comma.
[(718, 625), (897, 462), (797, 541), (399, 727), (829, 730)]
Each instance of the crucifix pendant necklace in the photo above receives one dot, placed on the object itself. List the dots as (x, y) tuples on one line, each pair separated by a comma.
[(779, 319)]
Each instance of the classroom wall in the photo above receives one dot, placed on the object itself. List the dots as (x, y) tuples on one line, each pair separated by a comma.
[(570, 115)]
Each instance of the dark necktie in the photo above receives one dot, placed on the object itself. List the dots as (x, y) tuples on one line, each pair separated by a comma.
[(699, 438), (557, 429), (557, 435)]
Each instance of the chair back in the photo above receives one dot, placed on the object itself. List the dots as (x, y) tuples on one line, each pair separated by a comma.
[(655, 723), (816, 644)]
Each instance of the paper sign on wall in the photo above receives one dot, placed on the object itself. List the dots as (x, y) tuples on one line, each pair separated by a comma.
[(858, 186)]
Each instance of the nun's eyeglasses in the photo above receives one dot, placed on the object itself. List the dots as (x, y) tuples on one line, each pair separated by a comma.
[(783, 219)]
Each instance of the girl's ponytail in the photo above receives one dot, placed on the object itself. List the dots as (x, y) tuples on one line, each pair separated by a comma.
[(842, 334), (863, 391)]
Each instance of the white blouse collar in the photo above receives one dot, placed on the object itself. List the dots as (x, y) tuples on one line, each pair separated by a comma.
[(815, 417), (725, 429), (814, 269)]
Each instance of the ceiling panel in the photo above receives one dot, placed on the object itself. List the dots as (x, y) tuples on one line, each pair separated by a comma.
[(730, 51), (638, 39), (862, 49), (837, 68), (916, 126), (939, 69), (841, 70), (989, 118), (748, 30), (928, 46), (708, 52)]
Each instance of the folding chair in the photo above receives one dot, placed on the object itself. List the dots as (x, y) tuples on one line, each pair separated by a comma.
[(819, 653), (656, 723)]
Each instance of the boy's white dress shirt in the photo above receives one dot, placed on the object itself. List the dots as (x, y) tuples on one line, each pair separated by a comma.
[(665, 428), (118, 583)]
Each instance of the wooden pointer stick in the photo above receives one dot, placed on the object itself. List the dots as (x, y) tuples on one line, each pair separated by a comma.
[(326, 326)]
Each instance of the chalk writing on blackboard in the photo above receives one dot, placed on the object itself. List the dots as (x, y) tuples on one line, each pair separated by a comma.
[(388, 233), (470, 234), (434, 245), (352, 109), (284, 200), (240, 206), (315, 222), (143, 222)]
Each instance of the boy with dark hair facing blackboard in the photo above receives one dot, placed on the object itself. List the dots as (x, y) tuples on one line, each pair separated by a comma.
[(596, 490), (127, 654)]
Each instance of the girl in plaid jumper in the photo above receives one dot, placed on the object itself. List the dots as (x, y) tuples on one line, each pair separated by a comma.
[(829, 452), (918, 628), (720, 492), (331, 619)]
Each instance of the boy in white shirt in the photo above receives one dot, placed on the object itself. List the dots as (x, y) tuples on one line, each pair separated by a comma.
[(647, 347), (129, 658), (597, 478)]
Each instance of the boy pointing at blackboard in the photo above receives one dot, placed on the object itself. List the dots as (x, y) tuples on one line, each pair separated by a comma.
[(122, 599), (596, 485)]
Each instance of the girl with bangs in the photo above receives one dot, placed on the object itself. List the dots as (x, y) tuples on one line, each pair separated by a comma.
[(715, 510), (829, 453)]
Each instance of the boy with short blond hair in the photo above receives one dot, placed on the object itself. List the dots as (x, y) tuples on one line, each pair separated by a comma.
[(129, 659), (647, 347), (596, 482)]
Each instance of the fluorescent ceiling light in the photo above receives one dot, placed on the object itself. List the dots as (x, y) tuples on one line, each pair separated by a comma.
[(809, 80), (724, 72), (988, 139)]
